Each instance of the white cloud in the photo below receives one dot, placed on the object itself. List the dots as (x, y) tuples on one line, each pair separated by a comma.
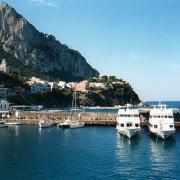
[(45, 2)]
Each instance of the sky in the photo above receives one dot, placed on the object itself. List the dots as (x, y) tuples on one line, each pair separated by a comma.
[(137, 40)]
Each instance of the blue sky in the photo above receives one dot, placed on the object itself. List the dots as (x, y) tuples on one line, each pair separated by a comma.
[(137, 40)]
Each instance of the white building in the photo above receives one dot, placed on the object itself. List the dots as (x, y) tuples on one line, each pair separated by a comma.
[(61, 84), (3, 66), (5, 92), (97, 85), (71, 85), (35, 80), (4, 108), (37, 88), (51, 84)]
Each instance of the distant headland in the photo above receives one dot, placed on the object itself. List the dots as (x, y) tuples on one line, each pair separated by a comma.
[(38, 69)]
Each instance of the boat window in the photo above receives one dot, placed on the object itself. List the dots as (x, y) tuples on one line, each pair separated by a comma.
[(170, 116), (137, 125), (171, 126), (122, 125), (155, 126), (128, 115), (129, 124), (165, 116), (158, 116), (162, 116), (154, 116), (136, 115), (150, 116)]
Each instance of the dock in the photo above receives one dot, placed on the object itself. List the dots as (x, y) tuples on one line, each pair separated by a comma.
[(90, 118)]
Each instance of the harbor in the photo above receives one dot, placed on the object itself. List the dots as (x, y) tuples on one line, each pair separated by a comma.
[(90, 118)]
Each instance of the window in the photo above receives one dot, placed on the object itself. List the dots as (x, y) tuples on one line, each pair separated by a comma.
[(155, 126), (165, 116), (137, 125), (170, 116), (158, 116), (129, 124), (122, 125), (171, 126)]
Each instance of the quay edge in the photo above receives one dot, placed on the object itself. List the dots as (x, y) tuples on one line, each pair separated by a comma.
[(90, 118)]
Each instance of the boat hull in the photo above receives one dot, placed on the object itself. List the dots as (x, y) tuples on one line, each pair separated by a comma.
[(77, 125), (163, 134), (64, 125), (129, 132), (13, 123), (45, 125), (3, 125)]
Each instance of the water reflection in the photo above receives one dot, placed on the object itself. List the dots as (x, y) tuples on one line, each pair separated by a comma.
[(15, 129), (162, 155), (128, 144), (127, 151)]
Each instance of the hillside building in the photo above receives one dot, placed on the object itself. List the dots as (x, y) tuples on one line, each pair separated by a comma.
[(3, 66), (81, 86)]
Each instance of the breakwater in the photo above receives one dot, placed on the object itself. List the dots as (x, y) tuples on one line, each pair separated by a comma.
[(90, 118)]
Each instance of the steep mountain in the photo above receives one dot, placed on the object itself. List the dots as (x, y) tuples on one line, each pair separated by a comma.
[(40, 54)]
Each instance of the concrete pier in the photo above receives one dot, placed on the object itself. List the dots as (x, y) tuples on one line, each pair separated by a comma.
[(90, 118)]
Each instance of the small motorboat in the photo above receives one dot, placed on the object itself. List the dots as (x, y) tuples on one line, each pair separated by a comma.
[(2, 124), (65, 124), (76, 124), (45, 123), (14, 123)]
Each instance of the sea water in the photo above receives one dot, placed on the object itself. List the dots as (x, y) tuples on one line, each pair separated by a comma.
[(27, 152)]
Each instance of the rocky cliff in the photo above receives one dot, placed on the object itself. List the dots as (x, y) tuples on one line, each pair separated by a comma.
[(41, 53)]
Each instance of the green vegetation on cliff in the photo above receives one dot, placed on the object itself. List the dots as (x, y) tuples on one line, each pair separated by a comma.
[(115, 92)]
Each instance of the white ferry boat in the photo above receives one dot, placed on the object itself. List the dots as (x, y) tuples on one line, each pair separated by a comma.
[(161, 121), (128, 122)]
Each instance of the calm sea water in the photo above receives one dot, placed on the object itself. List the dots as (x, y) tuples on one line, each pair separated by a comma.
[(86, 153)]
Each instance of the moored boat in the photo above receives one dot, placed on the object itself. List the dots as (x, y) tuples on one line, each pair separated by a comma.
[(14, 123), (65, 124), (128, 122), (2, 124), (161, 121), (76, 124), (45, 123)]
